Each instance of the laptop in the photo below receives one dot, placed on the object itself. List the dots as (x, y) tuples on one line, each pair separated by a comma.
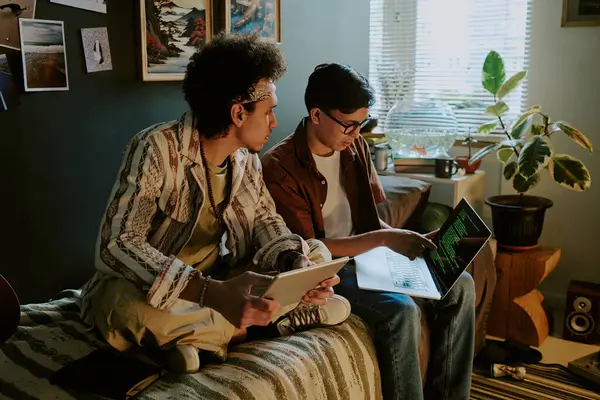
[(432, 275)]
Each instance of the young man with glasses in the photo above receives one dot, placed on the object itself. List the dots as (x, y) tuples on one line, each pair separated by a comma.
[(325, 187)]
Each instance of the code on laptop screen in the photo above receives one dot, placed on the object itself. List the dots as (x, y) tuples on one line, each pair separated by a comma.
[(459, 240)]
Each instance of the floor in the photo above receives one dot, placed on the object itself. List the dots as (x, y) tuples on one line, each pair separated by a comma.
[(558, 351)]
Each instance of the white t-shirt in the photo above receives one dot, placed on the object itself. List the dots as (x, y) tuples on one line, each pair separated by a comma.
[(337, 216)]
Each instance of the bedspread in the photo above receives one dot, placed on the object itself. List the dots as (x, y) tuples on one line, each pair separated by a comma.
[(333, 363)]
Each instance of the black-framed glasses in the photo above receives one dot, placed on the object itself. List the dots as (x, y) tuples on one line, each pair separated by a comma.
[(16, 9), (350, 129)]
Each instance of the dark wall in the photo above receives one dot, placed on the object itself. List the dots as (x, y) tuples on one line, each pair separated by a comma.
[(315, 32), (61, 150)]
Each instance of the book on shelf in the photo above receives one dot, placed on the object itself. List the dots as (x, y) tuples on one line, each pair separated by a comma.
[(422, 162), (374, 141), (415, 169)]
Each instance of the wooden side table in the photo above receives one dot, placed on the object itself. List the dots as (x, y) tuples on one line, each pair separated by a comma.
[(516, 310)]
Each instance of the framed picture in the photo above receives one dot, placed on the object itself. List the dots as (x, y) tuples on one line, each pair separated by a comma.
[(581, 13), (44, 55), (91, 5), (254, 16), (171, 32), (9, 95)]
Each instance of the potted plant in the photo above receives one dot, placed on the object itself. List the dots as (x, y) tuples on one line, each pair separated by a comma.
[(525, 153), (464, 161)]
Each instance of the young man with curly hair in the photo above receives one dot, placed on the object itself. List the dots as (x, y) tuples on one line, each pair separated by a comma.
[(325, 187), (189, 216)]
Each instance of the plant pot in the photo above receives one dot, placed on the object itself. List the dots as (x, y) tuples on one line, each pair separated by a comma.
[(463, 162), (518, 221)]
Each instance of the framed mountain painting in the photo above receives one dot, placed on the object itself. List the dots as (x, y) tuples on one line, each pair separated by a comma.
[(171, 32)]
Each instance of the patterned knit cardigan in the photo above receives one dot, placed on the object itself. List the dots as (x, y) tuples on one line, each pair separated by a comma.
[(154, 207)]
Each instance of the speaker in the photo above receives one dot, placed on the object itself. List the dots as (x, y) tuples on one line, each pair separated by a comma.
[(582, 313)]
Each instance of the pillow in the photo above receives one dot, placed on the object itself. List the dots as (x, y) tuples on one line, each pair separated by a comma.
[(406, 200)]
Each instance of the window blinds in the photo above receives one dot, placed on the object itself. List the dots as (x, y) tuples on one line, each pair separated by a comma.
[(433, 51)]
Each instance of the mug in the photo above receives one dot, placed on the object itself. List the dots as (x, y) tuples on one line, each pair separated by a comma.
[(445, 167)]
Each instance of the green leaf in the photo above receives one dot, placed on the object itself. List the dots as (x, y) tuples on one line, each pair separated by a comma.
[(504, 155), (511, 84), (520, 130), (493, 74), (522, 184), (569, 172), (574, 134), (484, 152), (535, 155), (525, 116), (537, 129), (497, 109), (487, 127), (510, 170)]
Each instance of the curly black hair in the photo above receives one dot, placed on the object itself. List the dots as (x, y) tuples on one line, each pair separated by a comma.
[(338, 87), (226, 69)]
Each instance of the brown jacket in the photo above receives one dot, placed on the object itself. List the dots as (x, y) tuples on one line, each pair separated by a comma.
[(299, 190)]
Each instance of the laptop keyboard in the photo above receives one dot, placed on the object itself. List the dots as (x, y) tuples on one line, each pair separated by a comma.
[(405, 273)]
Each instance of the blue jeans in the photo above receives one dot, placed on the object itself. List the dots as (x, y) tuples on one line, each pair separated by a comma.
[(395, 321)]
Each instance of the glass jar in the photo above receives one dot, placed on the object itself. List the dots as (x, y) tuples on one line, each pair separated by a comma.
[(421, 129)]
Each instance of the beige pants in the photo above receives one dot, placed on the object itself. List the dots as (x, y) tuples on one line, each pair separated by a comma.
[(124, 318)]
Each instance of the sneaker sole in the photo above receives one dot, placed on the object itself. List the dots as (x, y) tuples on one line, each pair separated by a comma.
[(348, 307)]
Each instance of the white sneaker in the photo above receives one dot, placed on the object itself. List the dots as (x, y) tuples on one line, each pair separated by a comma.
[(183, 359), (304, 317)]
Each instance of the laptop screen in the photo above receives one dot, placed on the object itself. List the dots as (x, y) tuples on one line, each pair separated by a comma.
[(459, 240)]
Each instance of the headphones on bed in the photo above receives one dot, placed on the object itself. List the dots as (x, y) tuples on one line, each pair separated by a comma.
[(9, 310)]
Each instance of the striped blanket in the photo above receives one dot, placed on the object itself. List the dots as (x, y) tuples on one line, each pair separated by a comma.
[(335, 363)]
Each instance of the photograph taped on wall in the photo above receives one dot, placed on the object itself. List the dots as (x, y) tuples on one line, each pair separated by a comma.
[(9, 22), (172, 31), (9, 95), (580, 13), (91, 5), (96, 49), (44, 55), (254, 16)]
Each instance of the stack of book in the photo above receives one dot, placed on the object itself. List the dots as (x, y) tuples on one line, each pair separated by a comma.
[(414, 165)]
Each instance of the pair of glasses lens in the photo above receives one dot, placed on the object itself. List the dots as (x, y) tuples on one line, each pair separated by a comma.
[(349, 129), (16, 9)]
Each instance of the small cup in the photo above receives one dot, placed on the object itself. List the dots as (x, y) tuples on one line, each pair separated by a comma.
[(445, 167), (381, 159)]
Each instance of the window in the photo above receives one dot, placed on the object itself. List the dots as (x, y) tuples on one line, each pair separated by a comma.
[(433, 51)]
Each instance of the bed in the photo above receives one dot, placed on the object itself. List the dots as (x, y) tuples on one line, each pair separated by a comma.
[(338, 362)]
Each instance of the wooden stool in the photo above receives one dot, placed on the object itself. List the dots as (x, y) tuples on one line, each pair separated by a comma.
[(516, 310)]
